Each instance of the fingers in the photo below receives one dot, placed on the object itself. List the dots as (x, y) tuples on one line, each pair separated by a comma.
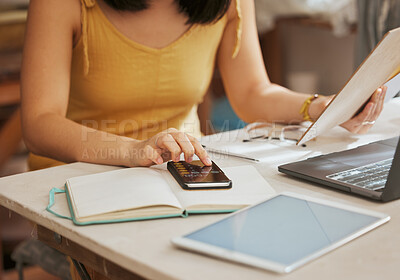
[(200, 151), (185, 145), (153, 154), (175, 142), (364, 121), (357, 124), (380, 99), (374, 109), (167, 142)]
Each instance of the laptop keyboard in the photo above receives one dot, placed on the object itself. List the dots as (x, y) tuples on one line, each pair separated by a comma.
[(372, 176)]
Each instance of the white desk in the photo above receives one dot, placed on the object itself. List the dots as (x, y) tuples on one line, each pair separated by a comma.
[(145, 249)]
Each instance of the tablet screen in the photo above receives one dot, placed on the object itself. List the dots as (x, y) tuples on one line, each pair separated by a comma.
[(283, 229)]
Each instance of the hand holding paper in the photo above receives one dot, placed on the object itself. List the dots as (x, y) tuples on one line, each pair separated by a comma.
[(378, 68), (363, 121)]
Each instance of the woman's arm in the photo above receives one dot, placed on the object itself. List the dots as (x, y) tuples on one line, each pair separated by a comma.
[(252, 95), (52, 29)]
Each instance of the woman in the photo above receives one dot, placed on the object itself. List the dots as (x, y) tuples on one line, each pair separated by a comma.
[(118, 82)]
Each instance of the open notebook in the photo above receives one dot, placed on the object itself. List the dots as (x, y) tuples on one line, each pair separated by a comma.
[(149, 193)]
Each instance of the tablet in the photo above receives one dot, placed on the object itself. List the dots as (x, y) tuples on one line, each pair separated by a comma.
[(283, 232)]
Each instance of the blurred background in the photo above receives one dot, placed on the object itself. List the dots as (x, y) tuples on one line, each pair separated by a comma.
[(311, 46), (13, 229)]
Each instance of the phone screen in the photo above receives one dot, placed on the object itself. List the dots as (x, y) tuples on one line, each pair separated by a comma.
[(198, 175)]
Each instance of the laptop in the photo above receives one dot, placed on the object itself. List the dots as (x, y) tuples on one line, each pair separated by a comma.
[(372, 170)]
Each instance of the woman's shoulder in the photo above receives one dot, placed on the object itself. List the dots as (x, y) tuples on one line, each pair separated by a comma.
[(236, 7), (58, 12), (68, 8)]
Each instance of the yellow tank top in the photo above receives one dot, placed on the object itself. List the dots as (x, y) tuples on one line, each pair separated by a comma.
[(126, 88)]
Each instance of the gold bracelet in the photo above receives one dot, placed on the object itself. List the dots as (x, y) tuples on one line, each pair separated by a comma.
[(306, 105)]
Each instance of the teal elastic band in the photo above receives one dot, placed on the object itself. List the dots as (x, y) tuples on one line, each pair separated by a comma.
[(52, 194)]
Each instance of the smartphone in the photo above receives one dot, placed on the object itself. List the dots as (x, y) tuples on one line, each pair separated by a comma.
[(197, 176)]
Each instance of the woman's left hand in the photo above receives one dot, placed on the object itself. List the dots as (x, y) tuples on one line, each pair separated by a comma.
[(362, 122)]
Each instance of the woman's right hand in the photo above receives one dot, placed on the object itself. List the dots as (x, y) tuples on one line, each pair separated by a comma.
[(167, 145)]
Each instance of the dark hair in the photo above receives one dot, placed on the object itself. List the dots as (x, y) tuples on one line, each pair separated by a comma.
[(198, 11)]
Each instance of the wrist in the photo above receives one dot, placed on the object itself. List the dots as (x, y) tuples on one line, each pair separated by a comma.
[(129, 151), (305, 108), (318, 106)]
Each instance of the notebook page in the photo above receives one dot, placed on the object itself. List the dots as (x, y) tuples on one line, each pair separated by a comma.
[(248, 187), (119, 190), (231, 143)]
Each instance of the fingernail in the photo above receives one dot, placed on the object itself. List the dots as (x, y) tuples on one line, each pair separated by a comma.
[(208, 161), (189, 159), (178, 158), (159, 161)]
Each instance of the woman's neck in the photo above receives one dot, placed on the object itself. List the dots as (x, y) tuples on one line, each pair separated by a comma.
[(156, 27)]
